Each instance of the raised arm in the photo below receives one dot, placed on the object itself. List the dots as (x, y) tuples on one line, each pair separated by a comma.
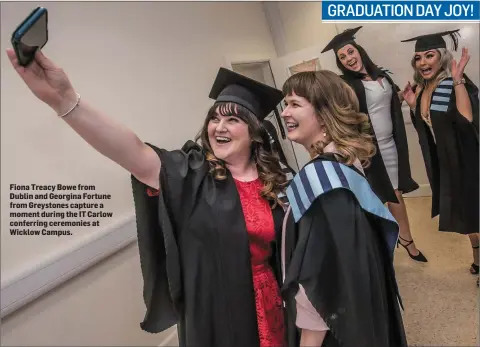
[(409, 95), (462, 98), (51, 85)]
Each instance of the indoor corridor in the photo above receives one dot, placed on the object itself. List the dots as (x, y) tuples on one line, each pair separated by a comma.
[(441, 296)]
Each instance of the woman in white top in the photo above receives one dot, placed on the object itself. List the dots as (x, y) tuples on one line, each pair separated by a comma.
[(380, 98)]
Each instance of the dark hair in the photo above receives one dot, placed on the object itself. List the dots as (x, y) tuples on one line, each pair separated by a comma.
[(266, 159), (372, 69)]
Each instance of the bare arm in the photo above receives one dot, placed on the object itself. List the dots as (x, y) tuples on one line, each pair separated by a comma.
[(50, 84), (314, 329), (463, 102), (116, 142), (462, 99), (409, 96), (312, 338)]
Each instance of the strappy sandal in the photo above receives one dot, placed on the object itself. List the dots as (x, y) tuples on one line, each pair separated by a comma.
[(418, 257)]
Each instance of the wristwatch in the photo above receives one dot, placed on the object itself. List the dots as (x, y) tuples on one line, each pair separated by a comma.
[(456, 83)]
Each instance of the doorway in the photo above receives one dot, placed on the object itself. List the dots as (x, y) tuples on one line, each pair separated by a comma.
[(262, 72)]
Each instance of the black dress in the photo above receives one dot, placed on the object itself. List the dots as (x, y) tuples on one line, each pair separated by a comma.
[(194, 253), (342, 254), (377, 174), (451, 157)]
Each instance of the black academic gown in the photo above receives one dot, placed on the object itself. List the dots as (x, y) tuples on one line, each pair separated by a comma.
[(377, 173), (194, 254), (342, 254), (452, 162)]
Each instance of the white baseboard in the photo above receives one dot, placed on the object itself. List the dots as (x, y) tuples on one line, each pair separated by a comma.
[(423, 191), (28, 286)]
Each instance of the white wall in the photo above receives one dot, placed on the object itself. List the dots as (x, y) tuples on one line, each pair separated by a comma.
[(101, 307), (149, 65), (300, 35), (298, 25)]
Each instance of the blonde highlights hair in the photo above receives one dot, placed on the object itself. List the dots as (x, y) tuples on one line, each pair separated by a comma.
[(446, 58), (266, 159), (337, 105)]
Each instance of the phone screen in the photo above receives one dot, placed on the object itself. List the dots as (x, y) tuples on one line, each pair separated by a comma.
[(34, 38)]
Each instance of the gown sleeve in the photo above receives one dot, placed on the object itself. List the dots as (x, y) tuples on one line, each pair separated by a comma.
[(159, 218), (395, 88), (344, 265), (462, 123), (307, 316)]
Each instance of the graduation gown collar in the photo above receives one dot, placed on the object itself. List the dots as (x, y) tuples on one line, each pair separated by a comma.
[(322, 175)]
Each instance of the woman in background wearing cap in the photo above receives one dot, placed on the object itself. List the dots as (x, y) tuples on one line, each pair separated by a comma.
[(337, 250), (445, 109), (389, 173), (207, 216)]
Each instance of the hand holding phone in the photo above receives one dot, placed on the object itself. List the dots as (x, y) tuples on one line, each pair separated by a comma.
[(30, 36), (44, 78)]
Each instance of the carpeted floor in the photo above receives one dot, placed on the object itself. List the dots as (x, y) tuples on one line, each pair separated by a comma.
[(441, 296)]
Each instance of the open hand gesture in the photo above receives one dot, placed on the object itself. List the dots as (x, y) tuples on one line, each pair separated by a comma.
[(409, 95), (458, 68)]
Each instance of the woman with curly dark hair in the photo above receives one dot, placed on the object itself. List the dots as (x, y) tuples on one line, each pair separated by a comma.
[(337, 248), (208, 215)]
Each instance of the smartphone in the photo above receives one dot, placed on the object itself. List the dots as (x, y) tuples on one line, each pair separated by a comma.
[(30, 36)]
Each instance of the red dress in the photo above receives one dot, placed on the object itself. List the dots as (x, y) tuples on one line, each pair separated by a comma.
[(261, 232)]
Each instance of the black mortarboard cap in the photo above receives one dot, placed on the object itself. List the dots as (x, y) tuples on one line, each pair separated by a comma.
[(433, 41), (342, 39), (257, 97)]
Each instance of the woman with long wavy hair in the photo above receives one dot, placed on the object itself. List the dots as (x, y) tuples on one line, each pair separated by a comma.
[(444, 106), (208, 215), (337, 251), (380, 99)]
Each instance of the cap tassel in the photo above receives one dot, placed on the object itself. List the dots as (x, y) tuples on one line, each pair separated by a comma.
[(455, 35), (385, 70)]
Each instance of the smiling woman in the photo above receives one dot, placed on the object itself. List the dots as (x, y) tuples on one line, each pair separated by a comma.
[(380, 99), (208, 215), (340, 286), (445, 112)]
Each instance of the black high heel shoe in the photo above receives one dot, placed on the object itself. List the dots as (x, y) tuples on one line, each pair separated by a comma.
[(474, 266), (419, 257)]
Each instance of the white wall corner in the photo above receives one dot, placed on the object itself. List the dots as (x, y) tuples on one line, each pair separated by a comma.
[(275, 23)]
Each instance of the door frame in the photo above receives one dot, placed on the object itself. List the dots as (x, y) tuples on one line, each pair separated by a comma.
[(286, 144)]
